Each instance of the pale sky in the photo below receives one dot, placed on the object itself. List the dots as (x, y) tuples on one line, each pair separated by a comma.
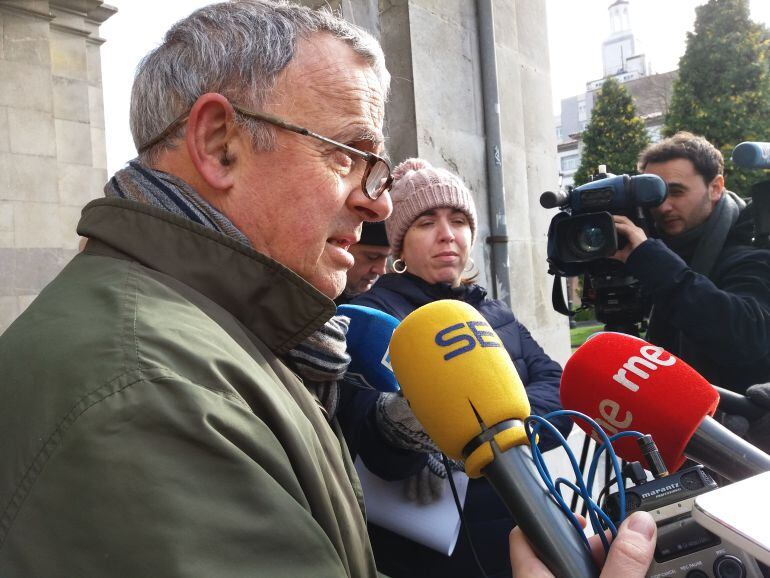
[(576, 30)]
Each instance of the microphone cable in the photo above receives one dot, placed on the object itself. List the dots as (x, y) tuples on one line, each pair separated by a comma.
[(459, 506), (600, 521)]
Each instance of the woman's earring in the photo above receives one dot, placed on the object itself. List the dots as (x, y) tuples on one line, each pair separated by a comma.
[(399, 266)]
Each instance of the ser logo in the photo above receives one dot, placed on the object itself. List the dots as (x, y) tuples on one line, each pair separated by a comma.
[(481, 333)]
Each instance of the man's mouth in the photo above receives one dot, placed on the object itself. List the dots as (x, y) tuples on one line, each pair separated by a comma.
[(342, 243)]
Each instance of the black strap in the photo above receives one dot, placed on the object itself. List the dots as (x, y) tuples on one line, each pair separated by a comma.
[(557, 297), (488, 434)]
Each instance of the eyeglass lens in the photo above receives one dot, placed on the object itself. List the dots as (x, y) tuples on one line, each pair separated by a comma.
[(376, 179)]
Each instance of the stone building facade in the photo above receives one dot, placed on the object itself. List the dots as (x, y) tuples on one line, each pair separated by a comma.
[(52, 142)]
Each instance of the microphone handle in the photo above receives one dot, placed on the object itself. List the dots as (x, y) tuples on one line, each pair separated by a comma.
[(716, 447), (513, 475)]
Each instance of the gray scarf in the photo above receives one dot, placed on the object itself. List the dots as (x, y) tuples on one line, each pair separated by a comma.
[(142, 184)]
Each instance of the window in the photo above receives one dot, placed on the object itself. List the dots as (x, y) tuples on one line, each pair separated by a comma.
[(570, 163)]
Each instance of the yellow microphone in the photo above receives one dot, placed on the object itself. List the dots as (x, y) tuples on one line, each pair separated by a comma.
[(462, 385), (463, 388)]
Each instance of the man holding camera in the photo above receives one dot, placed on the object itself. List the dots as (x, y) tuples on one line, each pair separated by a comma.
[(710, 287)]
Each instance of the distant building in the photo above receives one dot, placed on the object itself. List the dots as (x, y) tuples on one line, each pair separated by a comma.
[(623, 62)]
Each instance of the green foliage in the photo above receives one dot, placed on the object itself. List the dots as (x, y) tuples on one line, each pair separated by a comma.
[(578, 335), (723, 89), (588, 314), (615, 135)]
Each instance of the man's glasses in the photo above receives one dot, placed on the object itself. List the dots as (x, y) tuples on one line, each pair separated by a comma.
[(376, 179)]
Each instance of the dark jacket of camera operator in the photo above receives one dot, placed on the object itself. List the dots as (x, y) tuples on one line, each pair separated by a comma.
[(709, 286)]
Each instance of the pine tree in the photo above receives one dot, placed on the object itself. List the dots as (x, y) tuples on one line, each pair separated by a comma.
[(723, 89), (615, 135)]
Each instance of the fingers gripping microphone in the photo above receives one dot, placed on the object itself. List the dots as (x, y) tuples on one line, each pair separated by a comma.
[(626, 384), (368, 338), (462, 386)]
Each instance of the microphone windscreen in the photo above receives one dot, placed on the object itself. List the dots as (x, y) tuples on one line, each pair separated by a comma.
[(452, 366), (625, 383), (368, 339)]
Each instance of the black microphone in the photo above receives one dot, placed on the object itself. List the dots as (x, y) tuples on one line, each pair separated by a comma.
[(552, 200), (752, 155), (463, 387)]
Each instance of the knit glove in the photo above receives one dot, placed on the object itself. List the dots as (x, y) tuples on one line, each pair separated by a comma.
[(427, 485), (759, 429), (399, 426)]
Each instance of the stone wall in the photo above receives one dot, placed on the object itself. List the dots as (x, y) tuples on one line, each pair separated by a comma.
[(52, 144)]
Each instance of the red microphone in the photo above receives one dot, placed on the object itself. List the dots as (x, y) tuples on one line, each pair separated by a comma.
[(625, 384)]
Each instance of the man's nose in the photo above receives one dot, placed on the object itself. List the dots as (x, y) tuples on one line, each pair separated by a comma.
[(377, 209)]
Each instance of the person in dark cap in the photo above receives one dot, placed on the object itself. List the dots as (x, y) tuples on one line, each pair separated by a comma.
[(371, 255)]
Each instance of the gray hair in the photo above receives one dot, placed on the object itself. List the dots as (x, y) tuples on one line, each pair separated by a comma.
[(236, 49)]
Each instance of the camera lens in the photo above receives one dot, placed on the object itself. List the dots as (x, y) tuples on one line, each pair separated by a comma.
[(591, 239)]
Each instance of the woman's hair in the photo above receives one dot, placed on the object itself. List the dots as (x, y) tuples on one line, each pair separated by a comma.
[(236, 49)]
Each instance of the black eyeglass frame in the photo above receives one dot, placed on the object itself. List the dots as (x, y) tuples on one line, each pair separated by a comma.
[(370, 158)]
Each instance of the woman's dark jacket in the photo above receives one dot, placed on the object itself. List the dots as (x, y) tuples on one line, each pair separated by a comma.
[(488, 520)]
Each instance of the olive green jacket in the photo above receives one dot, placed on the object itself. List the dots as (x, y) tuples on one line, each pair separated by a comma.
[(148, 426)]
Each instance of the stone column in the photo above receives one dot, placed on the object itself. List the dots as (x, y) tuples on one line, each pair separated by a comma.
[(52, 147)]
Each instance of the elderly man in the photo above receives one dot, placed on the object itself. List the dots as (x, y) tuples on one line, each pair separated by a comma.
[(371, 256), (709, 286), (150, 423)]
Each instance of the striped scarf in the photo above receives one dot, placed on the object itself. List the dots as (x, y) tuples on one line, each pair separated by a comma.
[(321, 360), (142, 184)]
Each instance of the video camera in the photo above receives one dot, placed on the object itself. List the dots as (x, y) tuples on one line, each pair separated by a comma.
[(582, 237), (584, 231)]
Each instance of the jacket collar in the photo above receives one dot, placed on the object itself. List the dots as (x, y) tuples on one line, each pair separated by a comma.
[(275, 303), (420, 292)]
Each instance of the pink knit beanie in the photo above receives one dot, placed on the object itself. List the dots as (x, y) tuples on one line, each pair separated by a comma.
[(417, 187)]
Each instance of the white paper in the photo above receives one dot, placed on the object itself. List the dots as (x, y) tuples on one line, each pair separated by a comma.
[(435, 525)]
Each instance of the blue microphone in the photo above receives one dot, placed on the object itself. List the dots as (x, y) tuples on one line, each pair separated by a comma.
[(368, 341), (752, 155)]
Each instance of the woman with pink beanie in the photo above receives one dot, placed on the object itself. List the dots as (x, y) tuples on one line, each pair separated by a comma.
[(431, 232)]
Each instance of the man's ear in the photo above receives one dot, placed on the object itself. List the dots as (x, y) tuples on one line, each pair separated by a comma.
[(716, 189), (210, 128)]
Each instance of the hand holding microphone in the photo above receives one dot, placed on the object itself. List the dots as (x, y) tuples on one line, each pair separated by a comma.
[(630, 555), (368, 338)]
